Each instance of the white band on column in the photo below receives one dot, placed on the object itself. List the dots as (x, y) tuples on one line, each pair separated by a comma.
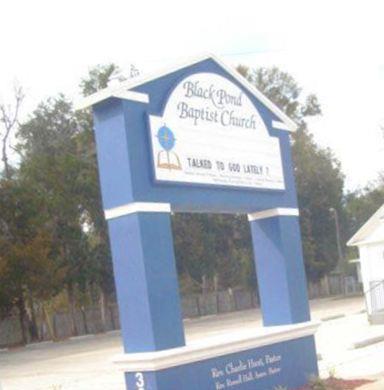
[(137, 207), (273, 213)]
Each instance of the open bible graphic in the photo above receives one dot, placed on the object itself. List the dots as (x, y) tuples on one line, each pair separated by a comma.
[(166, 158)]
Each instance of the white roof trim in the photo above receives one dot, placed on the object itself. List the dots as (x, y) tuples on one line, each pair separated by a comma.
[(107, 93), (135, 82), (280, 125), (288, 123), (362, 235), (125, 86), (367, 242)]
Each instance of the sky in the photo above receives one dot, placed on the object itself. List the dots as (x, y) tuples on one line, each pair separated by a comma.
[(333, 49)]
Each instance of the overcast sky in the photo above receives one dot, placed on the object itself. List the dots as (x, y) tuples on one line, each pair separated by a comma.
[(333, 48)]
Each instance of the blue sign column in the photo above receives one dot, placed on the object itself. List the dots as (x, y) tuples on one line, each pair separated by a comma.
[(279, 266), (146, 281), (141, 242)]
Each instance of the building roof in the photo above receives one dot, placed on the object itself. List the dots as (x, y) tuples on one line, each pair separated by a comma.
[(371, 232), (124, 90)]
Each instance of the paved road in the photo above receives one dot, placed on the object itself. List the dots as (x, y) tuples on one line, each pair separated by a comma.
[(85, 363)]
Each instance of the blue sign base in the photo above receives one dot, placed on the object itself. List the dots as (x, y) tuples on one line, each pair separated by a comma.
[(285, 365)]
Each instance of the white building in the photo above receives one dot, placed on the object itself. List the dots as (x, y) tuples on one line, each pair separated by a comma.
[(357, 264), (370, 241)]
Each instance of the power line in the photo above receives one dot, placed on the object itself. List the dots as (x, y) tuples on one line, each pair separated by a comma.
[(246, 53)]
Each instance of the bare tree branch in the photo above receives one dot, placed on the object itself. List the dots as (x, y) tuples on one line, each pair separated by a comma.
[(9, 118)]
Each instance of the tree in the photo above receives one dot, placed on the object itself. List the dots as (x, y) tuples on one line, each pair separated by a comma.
[(320, 188), (58, 165), (213, 250), (56, 170), (98, 78), (318, 174), (59, 161), (25, 256), (53, 235), (195, 262), (20, 244)]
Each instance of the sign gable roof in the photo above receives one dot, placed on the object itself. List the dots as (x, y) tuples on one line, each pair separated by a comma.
[(124, 90)]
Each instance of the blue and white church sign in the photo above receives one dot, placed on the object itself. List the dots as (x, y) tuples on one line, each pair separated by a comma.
[(199, 138)]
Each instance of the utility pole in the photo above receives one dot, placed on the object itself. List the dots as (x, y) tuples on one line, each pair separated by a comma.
[(339, 249)]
